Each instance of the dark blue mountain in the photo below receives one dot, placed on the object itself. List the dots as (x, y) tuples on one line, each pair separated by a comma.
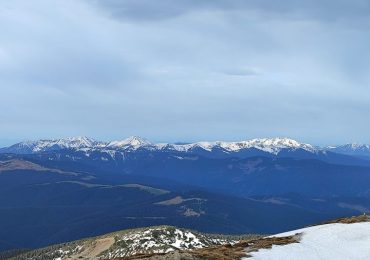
[(53, 191), (41, 206)]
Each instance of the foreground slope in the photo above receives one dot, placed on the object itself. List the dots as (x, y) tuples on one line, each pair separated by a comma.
[(330, 241), (128, 243), (341, 239), (347, 238)]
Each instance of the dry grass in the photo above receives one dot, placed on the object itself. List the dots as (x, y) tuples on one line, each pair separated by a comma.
[(349, 220), (20, 164)]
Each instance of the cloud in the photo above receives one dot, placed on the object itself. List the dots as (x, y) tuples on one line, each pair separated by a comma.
[(327, 10), (147, 10), (184, 70), (68, 46)]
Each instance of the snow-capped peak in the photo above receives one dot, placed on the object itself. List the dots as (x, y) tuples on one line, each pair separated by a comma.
[(351, 149), (52, 144), (352, 146), (270, 145), (76, 142), (66, 143), (275, 145), (132, 141)]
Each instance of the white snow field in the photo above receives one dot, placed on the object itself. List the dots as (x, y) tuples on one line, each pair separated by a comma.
[(325, 242)]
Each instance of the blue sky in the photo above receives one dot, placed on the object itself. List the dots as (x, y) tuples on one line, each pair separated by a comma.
[(185, 70)]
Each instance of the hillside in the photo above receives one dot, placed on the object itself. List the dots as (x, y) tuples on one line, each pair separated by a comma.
[(345, 238), (130, 243), (214, 187), (212, 195)]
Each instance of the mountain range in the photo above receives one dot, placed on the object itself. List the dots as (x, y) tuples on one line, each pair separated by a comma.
[(273, 146), (219, 149), (52, 191)]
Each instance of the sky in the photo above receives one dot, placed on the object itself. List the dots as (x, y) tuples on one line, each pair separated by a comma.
[(185, 70)]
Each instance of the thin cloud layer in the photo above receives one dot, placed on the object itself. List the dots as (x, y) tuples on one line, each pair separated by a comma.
[(185, 70), (327, 10)]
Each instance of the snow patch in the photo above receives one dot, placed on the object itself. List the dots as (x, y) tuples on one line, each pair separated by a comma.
[(331, 241)]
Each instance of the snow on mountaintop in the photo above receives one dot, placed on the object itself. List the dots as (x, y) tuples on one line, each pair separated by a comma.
[(269, 145), (132, 141), (358, 146), (69, 142), (272, 145), (331, 241), (53, 144), (351, 149)]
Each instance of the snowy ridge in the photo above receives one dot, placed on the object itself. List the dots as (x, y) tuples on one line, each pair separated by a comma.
[(272, 145), (52, 145), (351, 149), (269, 145), (132, 142)]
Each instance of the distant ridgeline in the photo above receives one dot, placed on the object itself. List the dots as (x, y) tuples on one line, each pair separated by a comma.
[(52, 191)]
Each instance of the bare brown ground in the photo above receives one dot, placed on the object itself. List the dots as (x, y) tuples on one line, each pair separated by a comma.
[(93, 250)]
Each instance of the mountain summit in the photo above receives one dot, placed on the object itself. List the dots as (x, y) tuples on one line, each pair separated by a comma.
[(132, 141), (351, 149), (269, 145), (45, 145), (254, 147)]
